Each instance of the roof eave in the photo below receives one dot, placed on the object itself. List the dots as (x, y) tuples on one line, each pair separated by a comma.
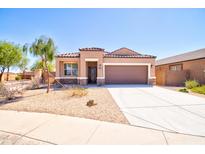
[(180, 61)]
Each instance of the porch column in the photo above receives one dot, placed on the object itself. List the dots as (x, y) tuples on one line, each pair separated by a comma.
[(57, 68), (151, 74), (100, 74), (82, 79)]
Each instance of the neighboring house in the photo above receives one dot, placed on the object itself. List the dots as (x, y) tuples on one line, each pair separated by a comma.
[(95, 65), (27, 75), (38, 74), (174, 71), (12, 76)]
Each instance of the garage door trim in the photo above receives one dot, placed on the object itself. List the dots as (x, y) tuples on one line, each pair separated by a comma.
[(127, 64)]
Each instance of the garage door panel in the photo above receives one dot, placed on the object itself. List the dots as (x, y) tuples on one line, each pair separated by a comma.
[(126, 74)]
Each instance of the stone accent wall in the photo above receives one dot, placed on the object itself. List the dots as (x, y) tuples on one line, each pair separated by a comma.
[(152, 81), (100, 82), (83, 82), (68, 81)]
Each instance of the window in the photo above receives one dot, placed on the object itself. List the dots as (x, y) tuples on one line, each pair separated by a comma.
[(71, 69), (177, 67), (75, 69)]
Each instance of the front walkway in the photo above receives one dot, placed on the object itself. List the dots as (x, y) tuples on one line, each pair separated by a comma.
[(43, 128)]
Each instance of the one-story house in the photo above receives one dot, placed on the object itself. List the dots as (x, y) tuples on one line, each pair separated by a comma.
[(97, 66), (175, 70)]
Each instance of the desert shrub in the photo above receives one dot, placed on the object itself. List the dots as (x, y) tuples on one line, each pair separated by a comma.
[(8, 92), (78, 92), (200, 90), (189, 84), (183, 90), (91, 103), (18, 78)]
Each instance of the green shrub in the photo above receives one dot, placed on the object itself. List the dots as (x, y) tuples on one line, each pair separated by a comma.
[(18, 78), (189, 84), (183, 90), (200, 90)]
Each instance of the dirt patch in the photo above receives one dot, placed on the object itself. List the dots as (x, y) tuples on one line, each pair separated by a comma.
[(61, 102)]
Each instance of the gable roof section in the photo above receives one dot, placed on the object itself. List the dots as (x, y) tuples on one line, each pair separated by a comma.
[(126, 53), (197, 54)]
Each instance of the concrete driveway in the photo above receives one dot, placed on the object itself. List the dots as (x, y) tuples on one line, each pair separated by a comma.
[(159, 108)]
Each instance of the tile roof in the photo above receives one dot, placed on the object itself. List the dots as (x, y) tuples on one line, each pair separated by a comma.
[(110, 55), (197, 54), (91, 49), (114, 54), (69, 55)]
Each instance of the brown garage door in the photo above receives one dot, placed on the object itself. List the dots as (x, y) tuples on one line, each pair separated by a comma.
[(126, 74)]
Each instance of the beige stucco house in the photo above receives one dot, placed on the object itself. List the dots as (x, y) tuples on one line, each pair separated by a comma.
[(95, 65)]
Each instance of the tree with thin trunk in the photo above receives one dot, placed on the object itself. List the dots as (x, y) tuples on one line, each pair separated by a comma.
[(10, 55), (23, 65), (44, 48)]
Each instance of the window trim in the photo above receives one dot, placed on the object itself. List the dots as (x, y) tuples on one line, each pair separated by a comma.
[(71, 63), (176, 66)]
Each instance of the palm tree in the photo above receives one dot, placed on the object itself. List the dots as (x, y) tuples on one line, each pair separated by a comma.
[(39, 65), (44, 48)]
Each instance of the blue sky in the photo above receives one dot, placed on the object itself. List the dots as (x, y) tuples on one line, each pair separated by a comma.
[(160, 32)]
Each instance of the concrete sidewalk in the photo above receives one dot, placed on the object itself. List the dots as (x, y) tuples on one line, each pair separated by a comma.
[(43, 128)]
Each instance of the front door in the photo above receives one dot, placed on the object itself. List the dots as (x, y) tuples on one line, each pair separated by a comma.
[(92, 74)]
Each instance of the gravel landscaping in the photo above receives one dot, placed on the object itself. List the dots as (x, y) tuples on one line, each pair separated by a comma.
[(63, 102)]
